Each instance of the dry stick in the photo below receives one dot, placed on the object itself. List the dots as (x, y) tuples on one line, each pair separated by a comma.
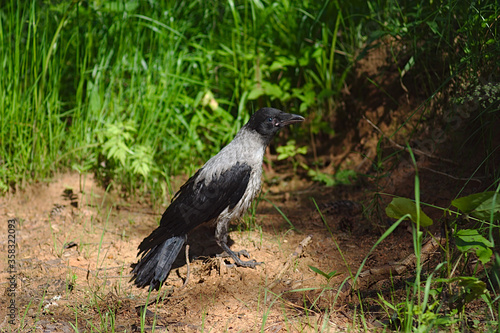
[(399, 267), (450, 176), (295, 254)]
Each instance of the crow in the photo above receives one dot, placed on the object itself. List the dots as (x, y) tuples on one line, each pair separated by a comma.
[(222, 190)]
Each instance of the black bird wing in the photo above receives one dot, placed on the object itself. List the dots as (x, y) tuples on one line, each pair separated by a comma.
[(198, 202)]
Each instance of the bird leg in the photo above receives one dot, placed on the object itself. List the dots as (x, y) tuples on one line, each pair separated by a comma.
[(237, 261), (221, 239)]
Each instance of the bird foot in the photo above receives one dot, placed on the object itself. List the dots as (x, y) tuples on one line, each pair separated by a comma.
[(250, 263), (236, 257), (238, 253)]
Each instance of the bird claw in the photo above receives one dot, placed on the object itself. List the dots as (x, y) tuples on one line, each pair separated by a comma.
[(243, 253), (238, 253), (237, 261), (250, 263), (236, 257)]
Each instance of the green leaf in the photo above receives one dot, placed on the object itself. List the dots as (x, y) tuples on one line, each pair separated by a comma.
[(319, 176), (328, 276), (290, 150), (268, 89), (474, 288), (345, 177), (479, 205), (142, 160), (470, 239), (469, 203), (317, 54), (81, 168), (302, 150), (400, 207), (282, 62), (483, 211), (303, 107), (255, 93), (282, 156), (116, 149), (272, 89), (434, 27)]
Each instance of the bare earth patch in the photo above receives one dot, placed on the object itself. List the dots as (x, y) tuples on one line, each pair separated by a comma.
[(75, 244)]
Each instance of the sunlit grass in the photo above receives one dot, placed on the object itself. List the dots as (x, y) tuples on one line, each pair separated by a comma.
[(184, 77)]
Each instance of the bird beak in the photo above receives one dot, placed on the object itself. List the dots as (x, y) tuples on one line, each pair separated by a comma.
[(288, 118)]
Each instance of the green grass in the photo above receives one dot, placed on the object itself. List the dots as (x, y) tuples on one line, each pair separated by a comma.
[(137, 91)]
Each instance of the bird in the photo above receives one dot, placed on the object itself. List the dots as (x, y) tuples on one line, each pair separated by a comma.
[(219, 192)]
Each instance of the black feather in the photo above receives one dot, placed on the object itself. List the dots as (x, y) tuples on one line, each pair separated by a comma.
[(153, 268), (195, 203)]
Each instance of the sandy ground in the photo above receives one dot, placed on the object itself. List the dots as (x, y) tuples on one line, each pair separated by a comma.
[(75, 244)]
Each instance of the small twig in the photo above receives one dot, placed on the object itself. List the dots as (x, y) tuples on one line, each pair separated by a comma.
[(295, 254), (450, 176), (398, 268), (275, 327)]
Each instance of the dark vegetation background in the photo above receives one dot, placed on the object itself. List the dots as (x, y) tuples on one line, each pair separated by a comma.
[(136, 92)]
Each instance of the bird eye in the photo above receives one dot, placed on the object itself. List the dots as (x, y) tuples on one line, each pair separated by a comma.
[(270, 119)]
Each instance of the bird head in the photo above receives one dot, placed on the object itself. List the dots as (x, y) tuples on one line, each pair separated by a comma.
[(268, 121)]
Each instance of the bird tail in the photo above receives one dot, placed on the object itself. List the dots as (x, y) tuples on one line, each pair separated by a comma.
[(153, 268)]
